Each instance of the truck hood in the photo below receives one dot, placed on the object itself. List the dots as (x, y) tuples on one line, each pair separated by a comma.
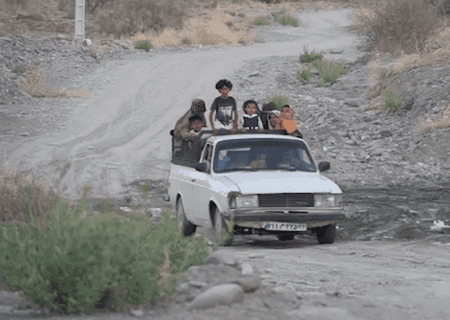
[(282, 182)]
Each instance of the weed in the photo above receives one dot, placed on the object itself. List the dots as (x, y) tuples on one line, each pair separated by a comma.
[(304, 74), (402, 26), (310, 57), (145, 45), (71, 263), (186, 41), (443, 122), (288, 20), (279, 100), (241, 15), (35, 85), (391, 99), (329, 71), (262, 21), (19, 69), (276, 15)]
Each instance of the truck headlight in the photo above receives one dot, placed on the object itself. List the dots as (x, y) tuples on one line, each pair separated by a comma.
[(327, 200), (237, 201)]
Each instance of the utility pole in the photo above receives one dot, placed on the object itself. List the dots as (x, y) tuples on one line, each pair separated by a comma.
[(80, 15)]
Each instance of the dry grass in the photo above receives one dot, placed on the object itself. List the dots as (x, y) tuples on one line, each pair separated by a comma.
[(35, 85), (19, 194), (443, 122)]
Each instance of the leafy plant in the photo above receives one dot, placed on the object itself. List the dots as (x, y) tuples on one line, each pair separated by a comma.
[(310, 57), (262, 21), (288, 20), (144, 44), (19, 69), (78, 257), (242, 15), (276, 15), (279, 100), (329, 71), (304, 74), (391, 99), (186, 41)]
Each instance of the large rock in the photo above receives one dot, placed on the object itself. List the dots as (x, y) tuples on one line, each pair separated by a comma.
[(223, 294), (222, 257)]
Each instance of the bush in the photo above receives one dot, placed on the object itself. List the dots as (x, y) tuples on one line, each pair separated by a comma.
[(288, 20), (392, 101), (145, 45), (329, 71), (279, 100), (19, 193), (119, 18), (310, 57), (304, 74), (403, 26), (262, 21), (79, 258)]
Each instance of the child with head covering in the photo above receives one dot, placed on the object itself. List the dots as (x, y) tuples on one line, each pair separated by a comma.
[(198, 107)]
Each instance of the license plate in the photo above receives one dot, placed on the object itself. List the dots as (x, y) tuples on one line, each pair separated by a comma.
[(283, 226)]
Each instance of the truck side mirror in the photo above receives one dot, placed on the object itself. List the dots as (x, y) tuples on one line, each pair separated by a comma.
[(324, 166), (201, 166)]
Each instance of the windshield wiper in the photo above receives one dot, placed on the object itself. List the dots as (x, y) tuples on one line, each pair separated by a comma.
[(239, 169)]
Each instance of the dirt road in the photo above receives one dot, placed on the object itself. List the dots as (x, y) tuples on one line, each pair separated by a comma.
[(357, 280), (121, 133)]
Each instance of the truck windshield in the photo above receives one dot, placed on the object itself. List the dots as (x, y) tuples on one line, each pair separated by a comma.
[(262, 154)]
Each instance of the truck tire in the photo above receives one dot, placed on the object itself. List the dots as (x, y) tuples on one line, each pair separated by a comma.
[(326, 234), (222, 236), (184, 225)]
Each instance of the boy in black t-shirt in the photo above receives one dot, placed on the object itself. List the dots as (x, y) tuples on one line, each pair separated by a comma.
[(223, 114)]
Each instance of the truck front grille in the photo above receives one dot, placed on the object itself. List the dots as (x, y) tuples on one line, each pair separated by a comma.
[(286, 200)]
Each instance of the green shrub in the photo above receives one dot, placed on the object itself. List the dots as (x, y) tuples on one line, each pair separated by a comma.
[(69, 265), (241, 15), (304, 74), (391, 99), (329, 71), (145, 45), (276, 15), (403, 26), (19, 69), (186, 41), (262, 21), (288, 20), (279, 100), (310, 57)]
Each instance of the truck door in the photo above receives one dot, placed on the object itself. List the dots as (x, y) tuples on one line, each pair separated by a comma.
[(199, 191)]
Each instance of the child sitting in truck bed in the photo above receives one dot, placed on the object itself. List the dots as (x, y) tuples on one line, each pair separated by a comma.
[(288, 122), (198, 107), (250, 120)]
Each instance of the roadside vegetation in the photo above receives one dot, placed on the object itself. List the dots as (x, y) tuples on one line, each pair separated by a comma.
[(69, 259), (328, 71)]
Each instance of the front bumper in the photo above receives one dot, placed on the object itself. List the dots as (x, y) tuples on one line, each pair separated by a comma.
[(313, 217)]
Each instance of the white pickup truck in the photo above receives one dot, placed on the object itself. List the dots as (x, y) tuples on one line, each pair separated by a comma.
[(252, 183)]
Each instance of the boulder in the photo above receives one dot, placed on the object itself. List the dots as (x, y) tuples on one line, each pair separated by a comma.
[(223, 294)]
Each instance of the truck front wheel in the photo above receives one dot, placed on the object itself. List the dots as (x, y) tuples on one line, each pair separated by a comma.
[(326, 234), (184, 225), (222, 235)]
